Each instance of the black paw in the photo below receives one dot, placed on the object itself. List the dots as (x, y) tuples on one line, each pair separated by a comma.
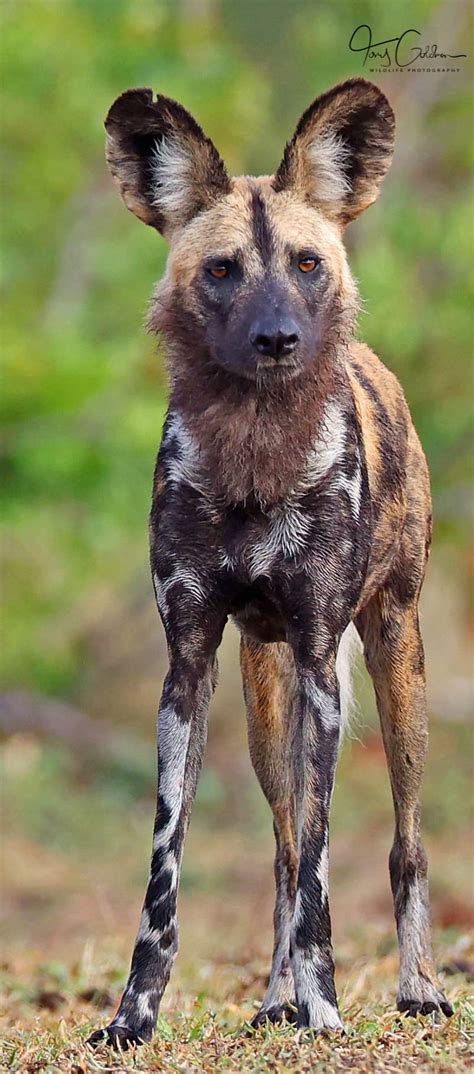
[(412, 1007), (120, 1038), (275, 1014)]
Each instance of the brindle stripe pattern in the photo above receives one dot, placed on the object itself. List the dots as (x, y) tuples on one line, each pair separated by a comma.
[(291, 494), (261, 227)]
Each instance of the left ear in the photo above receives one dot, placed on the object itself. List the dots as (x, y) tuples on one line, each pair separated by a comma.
[(166, 169), (340, 151)]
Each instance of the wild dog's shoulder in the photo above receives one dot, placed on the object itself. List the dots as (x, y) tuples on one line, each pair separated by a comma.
[(396, 467), (385, 424), (178, 463), (384, 412), (380, 404), (183, 511), (370, 379)]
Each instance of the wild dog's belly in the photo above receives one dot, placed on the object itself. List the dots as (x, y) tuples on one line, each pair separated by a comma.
[(261, 552), (258, 616)]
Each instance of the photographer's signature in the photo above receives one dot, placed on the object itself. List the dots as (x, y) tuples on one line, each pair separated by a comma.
[(399, 51)]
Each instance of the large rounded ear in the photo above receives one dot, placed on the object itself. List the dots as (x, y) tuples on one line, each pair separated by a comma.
[(340, 151), (165, 167)]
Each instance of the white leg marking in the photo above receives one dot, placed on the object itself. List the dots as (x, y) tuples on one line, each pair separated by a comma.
[(144, 1005), (173, 739), (307, 970), (145, 931), (323, 702), (189, 578), (322, 872)]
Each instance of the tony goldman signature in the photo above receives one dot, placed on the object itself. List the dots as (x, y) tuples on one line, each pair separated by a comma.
[(398, 52)]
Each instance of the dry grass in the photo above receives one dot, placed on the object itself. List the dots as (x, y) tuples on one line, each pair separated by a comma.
[(76, 855), (204, 1024)]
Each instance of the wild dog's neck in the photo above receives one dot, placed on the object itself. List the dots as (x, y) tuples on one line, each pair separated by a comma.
[(254, 442)]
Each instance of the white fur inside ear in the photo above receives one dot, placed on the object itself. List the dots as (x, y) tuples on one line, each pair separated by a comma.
[(328, 155), (171, 167)]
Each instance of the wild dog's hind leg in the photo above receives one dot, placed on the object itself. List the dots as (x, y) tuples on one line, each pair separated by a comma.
[(268, 677), (182, 729), (394, 655)]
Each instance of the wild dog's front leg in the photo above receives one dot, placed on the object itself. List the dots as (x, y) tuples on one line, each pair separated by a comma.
[(182, 726), (315, 753)]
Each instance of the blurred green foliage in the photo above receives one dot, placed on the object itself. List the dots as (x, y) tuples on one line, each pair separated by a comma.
[(84, 393)]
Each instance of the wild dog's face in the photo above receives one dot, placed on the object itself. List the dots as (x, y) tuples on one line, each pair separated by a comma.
[(257, 277)]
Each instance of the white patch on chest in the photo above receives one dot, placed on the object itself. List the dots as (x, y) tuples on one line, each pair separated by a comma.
[(328, 452), (284, 537), (328, 449), (183, 467), (287, 527)]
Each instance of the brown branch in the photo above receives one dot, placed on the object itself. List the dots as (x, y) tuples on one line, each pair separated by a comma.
[(24, 712)]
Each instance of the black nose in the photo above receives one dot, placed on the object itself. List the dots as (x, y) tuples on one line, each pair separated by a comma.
[(274, 338)]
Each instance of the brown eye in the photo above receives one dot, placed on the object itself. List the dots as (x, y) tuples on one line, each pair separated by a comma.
[(219, 272), (307, 264)]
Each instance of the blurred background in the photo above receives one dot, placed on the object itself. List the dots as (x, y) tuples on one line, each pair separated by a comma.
[(84, 396)]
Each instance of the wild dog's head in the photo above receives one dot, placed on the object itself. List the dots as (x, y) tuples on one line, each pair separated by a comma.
[(257, 279)]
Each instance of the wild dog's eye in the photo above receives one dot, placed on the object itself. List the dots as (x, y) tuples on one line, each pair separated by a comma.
[(308, 264), (223, 268), (219, 270)]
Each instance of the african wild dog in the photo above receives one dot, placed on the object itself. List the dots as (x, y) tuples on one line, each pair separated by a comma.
[(291, 493)]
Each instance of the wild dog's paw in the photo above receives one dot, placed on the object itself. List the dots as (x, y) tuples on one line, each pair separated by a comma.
[(422, 996), (278, 1013), (412, 1007), (320, 1016), (118, 1037)]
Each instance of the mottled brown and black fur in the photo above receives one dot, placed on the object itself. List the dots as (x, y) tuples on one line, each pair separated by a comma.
[(291, 493)]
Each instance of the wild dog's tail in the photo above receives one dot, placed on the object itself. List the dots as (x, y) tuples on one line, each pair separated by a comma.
[(349, 645)]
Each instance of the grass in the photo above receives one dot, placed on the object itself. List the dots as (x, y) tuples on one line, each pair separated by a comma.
[(204, 1029), (76, 852)]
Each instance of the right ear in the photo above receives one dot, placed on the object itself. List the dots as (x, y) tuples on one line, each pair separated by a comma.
[(165, 167), (341, 150)]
